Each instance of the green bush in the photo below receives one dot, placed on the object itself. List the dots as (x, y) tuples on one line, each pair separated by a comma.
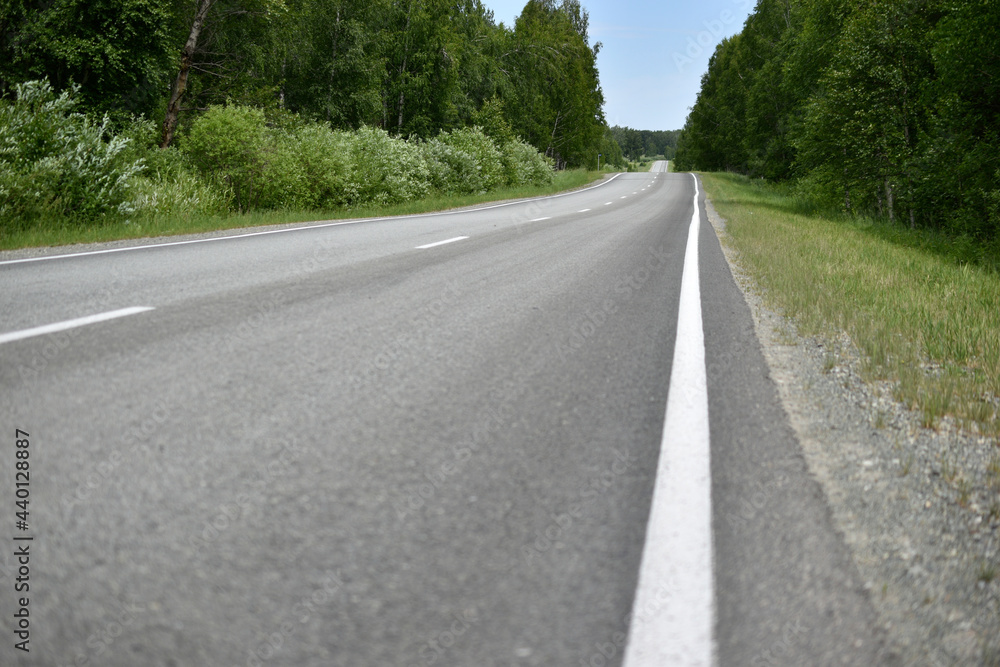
[(451, 170), (385, 170), (56, 163), (169, 187), (295, 165), (490, 173), (143, 137), (227, 144), (282, 184), (468, 161), (524, 165), (323, 154), (315, 161)]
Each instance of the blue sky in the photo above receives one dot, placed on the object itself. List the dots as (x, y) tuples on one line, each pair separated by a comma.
[(654, 53)]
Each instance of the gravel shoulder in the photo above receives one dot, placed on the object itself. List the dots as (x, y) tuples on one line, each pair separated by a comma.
[(918, 508)]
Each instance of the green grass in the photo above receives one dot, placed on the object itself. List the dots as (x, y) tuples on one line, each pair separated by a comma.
[(65, 232), (924, 310), (646, 163)]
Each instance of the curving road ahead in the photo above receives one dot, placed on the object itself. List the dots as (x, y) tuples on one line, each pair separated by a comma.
[(412, 441)]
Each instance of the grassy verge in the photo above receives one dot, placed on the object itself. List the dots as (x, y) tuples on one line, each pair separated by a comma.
[(66, 232), (926, 320), (646, 163)]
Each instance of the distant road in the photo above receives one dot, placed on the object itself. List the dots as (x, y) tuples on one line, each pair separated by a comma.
[(412, 441)]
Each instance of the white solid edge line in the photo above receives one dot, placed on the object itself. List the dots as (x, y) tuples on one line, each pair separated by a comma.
[(434, 245), (673, 612), (71, 324), (285, 230)]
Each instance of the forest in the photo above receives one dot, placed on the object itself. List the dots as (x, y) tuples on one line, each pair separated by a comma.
[(242, 93), (410, 67), (649, 143), (889, 108)]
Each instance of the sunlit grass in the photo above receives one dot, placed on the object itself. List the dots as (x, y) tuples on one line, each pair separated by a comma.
[(58, 232), (926, 320)]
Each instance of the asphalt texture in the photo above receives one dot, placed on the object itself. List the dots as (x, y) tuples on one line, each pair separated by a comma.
[(329, 447)]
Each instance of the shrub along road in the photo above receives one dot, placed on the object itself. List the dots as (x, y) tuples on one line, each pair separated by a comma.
[(429, 440)]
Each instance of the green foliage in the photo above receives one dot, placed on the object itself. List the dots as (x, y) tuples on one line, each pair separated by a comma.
[(56, 163), (227, 144), (386, 170), (712, 137), (887, 107), (965, 132), (489, 173), (168, 187), (523, 165), (450, 169), (413, 68), (610, 150), (468, 161), (242, 157), (179, 195), (295, 166), (557, 91), (636, 143), (117, 51), (335, 67), (491, 120), (318, 156), (422, 77)]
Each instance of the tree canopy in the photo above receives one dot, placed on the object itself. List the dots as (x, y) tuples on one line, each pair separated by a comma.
[(409, 67), (637, 143), (883, 106)]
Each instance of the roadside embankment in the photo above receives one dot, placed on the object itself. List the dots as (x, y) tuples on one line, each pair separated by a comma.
[(887, 358), (49, 235)]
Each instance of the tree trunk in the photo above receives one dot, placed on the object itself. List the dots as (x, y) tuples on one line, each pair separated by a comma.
[(333, 72), (909, 177), (552, 137), (180, 83), (402, 69), (847, 186), (888, 200)]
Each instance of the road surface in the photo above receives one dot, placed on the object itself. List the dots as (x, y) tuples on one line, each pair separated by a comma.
[(412, 441)]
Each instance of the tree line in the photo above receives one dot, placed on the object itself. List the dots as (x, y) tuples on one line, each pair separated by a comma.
[(638, 143), (889, 107), (412, 68)]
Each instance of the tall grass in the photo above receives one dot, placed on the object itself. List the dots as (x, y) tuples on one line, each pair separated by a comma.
[(924, 311)]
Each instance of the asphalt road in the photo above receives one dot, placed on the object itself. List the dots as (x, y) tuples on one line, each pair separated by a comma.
[(354, 444)]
